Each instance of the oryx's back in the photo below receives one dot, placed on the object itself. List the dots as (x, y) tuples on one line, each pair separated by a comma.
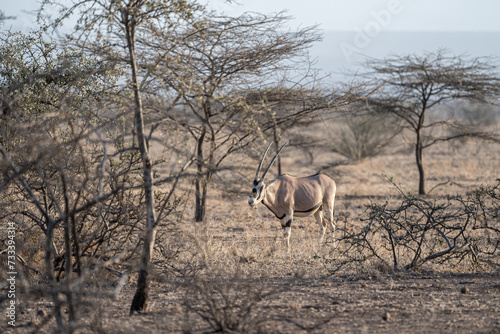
[(304, 193)]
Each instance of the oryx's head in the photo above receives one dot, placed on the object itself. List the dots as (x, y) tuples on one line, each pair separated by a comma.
[(259, 185)]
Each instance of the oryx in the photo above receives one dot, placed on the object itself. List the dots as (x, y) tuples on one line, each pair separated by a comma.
[(289, 197)]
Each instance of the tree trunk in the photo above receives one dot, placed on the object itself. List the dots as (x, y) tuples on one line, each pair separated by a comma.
[(201, 199), (200, 182), (49, 264), (419, 158), (199, 214), (68, 261), (139, 303), (421, 173)]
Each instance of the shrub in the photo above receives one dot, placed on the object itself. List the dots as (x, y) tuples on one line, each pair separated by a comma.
[(226, 304), (365, 136), (419, 230)]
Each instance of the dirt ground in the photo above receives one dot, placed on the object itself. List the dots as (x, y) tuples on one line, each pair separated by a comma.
[(392, 303), (404, 302)]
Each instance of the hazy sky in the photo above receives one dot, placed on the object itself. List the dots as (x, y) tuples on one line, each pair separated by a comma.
[(351, 15), (356, 29), (406, 15)]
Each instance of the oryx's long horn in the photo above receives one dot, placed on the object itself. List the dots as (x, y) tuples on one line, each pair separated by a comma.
[(261, 160), (272, 161)]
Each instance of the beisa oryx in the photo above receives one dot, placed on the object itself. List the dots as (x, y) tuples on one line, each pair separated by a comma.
[(288, 197)]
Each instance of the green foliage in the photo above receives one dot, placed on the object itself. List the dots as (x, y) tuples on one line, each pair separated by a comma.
[(38, 76)]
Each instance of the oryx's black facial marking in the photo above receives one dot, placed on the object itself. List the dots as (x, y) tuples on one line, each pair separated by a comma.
[(257, 188)]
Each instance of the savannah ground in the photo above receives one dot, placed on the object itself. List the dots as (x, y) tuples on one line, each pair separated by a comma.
[(234, 268)]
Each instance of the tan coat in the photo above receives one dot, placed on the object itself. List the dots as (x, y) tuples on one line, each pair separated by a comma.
[(289, 197), (299, 196)]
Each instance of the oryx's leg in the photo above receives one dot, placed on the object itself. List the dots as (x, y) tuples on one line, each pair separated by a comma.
[(286, 223), (322, 225), (329, 212)]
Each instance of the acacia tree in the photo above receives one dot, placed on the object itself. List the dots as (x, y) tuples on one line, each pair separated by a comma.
[(106, 28), (231, 73), (412, 86)]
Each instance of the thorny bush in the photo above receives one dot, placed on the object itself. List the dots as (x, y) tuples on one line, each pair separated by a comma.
[(226, 305), (458, 230)]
